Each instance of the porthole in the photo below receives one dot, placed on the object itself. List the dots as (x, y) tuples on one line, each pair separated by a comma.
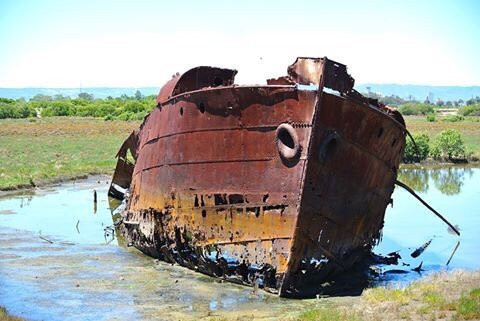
[(287, 142)]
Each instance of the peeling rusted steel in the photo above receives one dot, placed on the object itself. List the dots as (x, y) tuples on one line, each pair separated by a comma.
[(272, 184), (124, 169)]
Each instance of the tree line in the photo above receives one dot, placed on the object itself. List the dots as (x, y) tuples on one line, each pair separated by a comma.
[(410, 106), (125, 107), (137, 106)]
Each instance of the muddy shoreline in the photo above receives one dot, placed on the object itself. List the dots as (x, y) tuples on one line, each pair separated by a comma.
[(19, 189)]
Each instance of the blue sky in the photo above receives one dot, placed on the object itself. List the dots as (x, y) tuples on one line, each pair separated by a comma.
[(86, 43)]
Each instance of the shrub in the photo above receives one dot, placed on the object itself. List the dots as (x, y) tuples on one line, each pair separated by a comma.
[(416, 109), (25, 110), (411, 154), (140, 115), (8, 110), (431, 118), (103, 109), (125, 116), (454, 118), (15, 109), (470, 110), (59, 108), (448, 145), (133, 106)]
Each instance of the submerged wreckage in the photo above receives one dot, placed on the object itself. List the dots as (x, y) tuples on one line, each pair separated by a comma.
[(282, 185)]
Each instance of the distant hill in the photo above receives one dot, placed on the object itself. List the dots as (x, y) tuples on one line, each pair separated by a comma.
[(98, 92), (420, 92)]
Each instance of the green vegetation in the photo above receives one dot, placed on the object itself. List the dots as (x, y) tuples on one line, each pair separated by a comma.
[(416, 109), (470, 110), (396, 101), (469, 130), (326, 314), (33, 152), (468, 306), (123, 108), (415, 155), (431, 117), (449, 145), (446, 296), (4, 316), (382, 294), (453, 118)]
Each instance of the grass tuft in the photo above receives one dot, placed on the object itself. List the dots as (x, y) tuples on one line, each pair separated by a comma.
[(468, 306), (326, 314), (382, 294)]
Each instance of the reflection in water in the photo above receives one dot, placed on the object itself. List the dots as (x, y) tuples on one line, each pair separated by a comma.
[(25, 201), (448, 181), (416, 178)]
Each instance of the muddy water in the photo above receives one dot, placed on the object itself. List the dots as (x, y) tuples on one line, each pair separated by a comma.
[(57, 262)]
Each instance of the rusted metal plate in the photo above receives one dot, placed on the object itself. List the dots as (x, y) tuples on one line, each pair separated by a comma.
[(268, 185), (122, 176)]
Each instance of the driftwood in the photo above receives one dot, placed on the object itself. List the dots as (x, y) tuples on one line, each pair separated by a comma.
[(45, 239)]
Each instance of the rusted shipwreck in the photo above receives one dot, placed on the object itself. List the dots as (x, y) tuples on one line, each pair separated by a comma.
[(282, 186)]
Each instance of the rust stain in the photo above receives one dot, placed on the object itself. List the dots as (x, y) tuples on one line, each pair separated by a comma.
[(273, 184)]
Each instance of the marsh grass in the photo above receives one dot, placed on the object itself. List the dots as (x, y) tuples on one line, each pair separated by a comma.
[(468, 306), (382, 294), (327, 314), (58, 148)]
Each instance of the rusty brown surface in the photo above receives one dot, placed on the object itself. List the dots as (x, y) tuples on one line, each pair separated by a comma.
[(122, 176), (321, 71), (262, 184)]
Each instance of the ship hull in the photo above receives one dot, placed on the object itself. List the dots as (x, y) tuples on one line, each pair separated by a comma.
[(260, 185)]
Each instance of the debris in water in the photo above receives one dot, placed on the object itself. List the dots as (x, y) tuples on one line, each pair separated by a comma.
[(454, 250), (396, 271), (109, 234), (94, 201), (420, 250), (45, 239), (419, 269), (395, 255)]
